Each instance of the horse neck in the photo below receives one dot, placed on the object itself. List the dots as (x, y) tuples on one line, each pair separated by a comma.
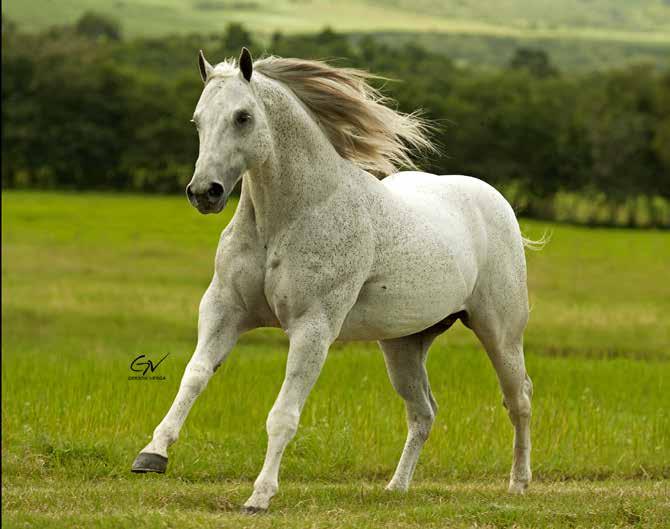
[(302, 170)]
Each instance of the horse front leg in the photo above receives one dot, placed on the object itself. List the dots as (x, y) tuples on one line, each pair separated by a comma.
[(307, 352), (218, 330)]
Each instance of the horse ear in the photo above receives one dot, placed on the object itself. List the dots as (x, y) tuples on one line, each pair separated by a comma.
[(246, 64), (204, 66)]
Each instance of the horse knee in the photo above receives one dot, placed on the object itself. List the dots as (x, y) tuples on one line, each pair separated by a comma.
[(196, 377), (518, 406), (282, 423)]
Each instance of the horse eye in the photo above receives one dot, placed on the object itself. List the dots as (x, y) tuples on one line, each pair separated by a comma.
[(242, 118)]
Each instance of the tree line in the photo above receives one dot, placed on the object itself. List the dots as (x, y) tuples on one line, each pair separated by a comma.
[(82, 108)]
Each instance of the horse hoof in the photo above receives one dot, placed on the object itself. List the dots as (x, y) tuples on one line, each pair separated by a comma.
[(518, 487), (146, 462), (250, 509)]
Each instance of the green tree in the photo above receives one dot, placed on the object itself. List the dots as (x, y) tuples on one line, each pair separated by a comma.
[(96, 26), (236, 37), (535, 61)]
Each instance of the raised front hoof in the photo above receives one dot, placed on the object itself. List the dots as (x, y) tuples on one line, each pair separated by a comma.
[(517, 487), (146, 462)]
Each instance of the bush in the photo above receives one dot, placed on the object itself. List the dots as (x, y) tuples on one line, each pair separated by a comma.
[(661, 212), (96, 26)]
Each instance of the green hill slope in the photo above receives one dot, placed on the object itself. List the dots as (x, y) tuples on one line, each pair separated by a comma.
[(618, 20), (578, 34)]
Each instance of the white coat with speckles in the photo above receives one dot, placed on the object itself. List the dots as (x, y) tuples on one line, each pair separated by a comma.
[(326, 251)]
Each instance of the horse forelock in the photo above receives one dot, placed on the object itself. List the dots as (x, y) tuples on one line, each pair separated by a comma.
[(353, 115), (226, 68)]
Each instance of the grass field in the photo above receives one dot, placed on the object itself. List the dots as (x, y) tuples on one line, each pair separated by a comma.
[(90, 281)]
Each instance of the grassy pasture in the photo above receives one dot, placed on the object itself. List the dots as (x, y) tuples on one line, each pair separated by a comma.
[(90, 281)]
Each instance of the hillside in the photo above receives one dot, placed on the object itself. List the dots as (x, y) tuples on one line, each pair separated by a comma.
[(578, 34), (644, 21)]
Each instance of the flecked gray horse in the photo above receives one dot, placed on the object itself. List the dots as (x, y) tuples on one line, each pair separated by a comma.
[(325, 250)]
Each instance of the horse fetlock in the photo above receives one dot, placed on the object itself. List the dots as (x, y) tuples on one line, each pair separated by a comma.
[(397, 485), (521, 473), (259, 501), (266, 487), (165, 436), (518, 486), (256, 503)]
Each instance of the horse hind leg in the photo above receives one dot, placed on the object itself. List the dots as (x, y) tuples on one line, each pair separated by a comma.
[(501, 334), (405, 362), (517, 395)]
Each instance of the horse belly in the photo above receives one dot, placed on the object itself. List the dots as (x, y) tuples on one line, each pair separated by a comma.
[(398, 304), (426, 262)]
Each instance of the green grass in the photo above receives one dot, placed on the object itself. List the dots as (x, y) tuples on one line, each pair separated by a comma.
[(90, 281), (151, 501)]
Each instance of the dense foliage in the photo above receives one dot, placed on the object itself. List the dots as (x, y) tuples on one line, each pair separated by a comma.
[(82, 108)]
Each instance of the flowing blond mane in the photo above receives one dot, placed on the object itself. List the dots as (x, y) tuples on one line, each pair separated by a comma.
[(354, 115)]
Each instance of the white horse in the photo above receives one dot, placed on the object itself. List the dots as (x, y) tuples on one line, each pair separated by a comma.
[(326, 251)]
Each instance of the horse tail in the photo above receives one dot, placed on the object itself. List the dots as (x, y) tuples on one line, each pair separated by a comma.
[(537, 244)]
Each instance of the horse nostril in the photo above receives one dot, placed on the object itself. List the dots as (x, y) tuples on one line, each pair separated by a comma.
[(215, 191), (189, 193)]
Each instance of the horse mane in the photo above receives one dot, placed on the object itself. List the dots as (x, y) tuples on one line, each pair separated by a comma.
[(353, 115)]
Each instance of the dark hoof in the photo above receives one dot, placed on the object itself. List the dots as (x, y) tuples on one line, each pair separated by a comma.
[(253, 510), (146, 462)]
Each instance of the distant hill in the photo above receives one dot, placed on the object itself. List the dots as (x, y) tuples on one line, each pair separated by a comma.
[(620, 15), (617, 30)]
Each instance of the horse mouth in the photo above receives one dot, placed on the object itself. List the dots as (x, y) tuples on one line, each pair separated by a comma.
[(206, 206), (206, 209)]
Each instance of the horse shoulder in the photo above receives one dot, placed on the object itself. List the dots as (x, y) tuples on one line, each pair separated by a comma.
[(321, 260), (239, 269)]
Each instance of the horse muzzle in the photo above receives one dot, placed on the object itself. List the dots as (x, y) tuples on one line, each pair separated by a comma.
[(210, 198)]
